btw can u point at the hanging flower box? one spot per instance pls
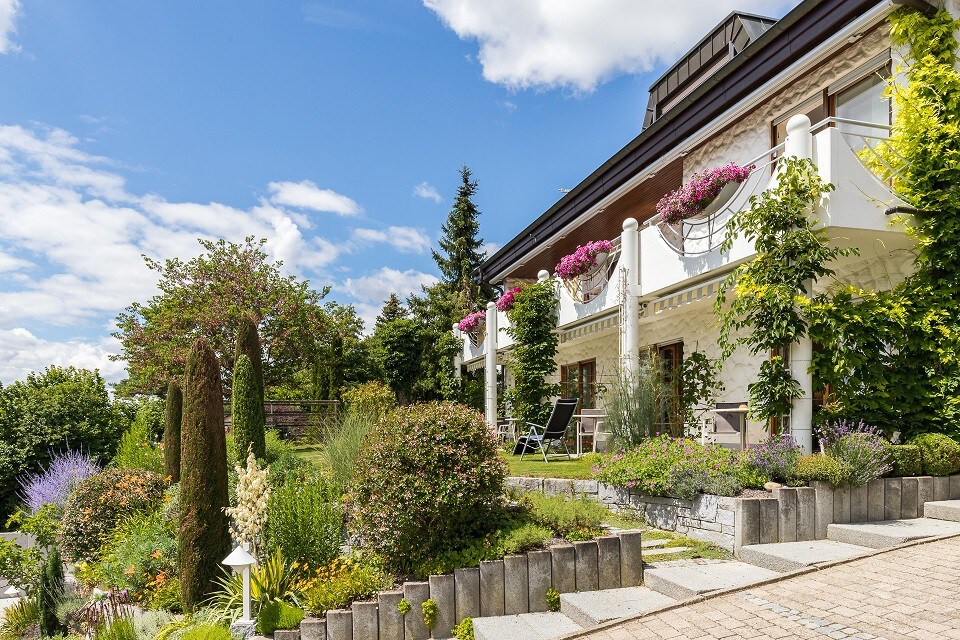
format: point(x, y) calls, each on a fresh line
point(585, 261)
point(474, 325)
point(505, 303)
point(705, 194)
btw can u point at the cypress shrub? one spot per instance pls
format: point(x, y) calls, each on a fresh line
point(248, 414)
point(172, 417)
point(248, 344)
point(50, 594)
point(204, 533)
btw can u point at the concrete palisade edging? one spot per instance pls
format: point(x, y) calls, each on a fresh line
point(516, 584)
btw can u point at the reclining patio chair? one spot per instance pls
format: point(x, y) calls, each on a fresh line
point(542, 437)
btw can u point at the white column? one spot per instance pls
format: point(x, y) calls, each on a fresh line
point(490, 366)
point(458, 356)
point(800, 143)
point(630, 319)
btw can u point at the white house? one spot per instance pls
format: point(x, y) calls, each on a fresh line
point(751, 91)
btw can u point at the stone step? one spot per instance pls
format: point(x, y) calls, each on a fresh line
point(596, 607)
point(890, 533)
point(943, 510)
point(652, 552)
point(526, 626)
point(790, 556)
point(688, 580)
point(653, 542)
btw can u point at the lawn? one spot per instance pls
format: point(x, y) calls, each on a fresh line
point(558, 466)
point(309, 452)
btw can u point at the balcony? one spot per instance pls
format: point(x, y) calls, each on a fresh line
point(674, 256)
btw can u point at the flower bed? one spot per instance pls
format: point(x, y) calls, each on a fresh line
point(583, 260)
point(695, 196)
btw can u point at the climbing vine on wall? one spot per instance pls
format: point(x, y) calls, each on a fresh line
point(894, 357)
point(532, 358)
point(770, 305)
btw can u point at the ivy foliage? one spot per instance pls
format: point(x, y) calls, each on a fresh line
point(533, 318)
point(771, 303)
point(893, 358)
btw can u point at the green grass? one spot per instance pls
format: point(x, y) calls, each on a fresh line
point(557, 467)
point(309, 452)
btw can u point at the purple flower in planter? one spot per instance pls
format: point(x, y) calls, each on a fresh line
point(776, 457)
point(696, 195)
point(582, 260)
point(505, 303)
point(54, 484)
point(472, 321)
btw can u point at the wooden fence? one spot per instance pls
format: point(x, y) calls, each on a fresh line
point(297, 419)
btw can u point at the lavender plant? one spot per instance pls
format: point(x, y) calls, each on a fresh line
point(54, 484)
point(776, 457)
point(831, 432)
point(863, 454)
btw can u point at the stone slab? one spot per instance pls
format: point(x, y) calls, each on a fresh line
point(909, 494)
point(943, 510)
point(941, 488)
point(586, 558)
point(806, 514)
point(597, 607)
point(539, 580)
point(516, 584)
point(563, 566)
point(769, 520)
point(682, 582)
point(339, 624)
point(416, 593)
point(467, 593)
point(291, 634)
point(608, 562)
point(443, 592)
point(823, 506)
point(787, 513)
point(313, 629)
point(892, 490)
point(665, 551)
point(528, 626)
point(881, 535)
point(790, 556)
point(875, 500)
point(389, 619)
point(859, 503)
point(631, 559)
point(365, 625)
point(491, 588)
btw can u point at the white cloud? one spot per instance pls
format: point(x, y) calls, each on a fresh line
point(9, 12)
point(372, 290)
point(308, 195)
point(21, 353)
point(427, 191)
point(69, 219)
point(579, 43)
point(489, 248)
point(403, 239)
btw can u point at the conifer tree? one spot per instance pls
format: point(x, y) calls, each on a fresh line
point(204, 538)
point(50, 594)
point(247, 411)
point(393, 309)
point(172, 417)
point(248, 344)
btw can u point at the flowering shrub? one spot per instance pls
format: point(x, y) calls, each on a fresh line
point(341, 582)
point(54, 484)
point(253, 495)
point(864, 456)
point(665, 466)
point(472, 321)
point(429, 477)
point(776, 458)
point(100, 502)
point(831, 432)
point(505, 303)
point(693, 197)
point(582, 260)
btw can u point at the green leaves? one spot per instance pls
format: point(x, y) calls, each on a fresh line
point(532, 320)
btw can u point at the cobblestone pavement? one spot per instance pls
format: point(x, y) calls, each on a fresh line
point(908, 593)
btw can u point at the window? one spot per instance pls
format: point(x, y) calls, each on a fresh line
point(862, 100)
point(579, 380)
point(812, 108)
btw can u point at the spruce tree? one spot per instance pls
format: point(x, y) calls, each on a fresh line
point(204, 539)
point(50, 594)
point(460, 254)
point(393, 309)
point(172, 417)
point(247, 411)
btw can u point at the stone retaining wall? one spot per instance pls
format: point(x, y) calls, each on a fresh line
point(707, 517)
point(515, 584)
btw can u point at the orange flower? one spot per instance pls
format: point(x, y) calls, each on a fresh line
point(132, 570)
point(156, 555)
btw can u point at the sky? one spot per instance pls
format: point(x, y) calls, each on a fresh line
point(333, 129)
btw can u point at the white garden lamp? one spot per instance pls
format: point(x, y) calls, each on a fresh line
point(240, 559)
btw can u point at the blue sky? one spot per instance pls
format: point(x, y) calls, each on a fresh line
point(333, 129)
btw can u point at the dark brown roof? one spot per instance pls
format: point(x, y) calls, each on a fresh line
point(803, 29)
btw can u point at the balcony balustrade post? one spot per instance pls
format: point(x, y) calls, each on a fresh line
point(490, 366)
point(458, 356)
point(799, 143)
point(630, 314)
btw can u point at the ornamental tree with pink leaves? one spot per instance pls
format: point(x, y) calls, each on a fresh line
point(582, 260)
point(693, 197)
point(208, 297)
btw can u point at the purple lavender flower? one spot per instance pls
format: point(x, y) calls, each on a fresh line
point(831, 432)
point(54, 484)
point(776, 457)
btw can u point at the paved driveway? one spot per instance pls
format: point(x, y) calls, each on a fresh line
point(908, 593)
